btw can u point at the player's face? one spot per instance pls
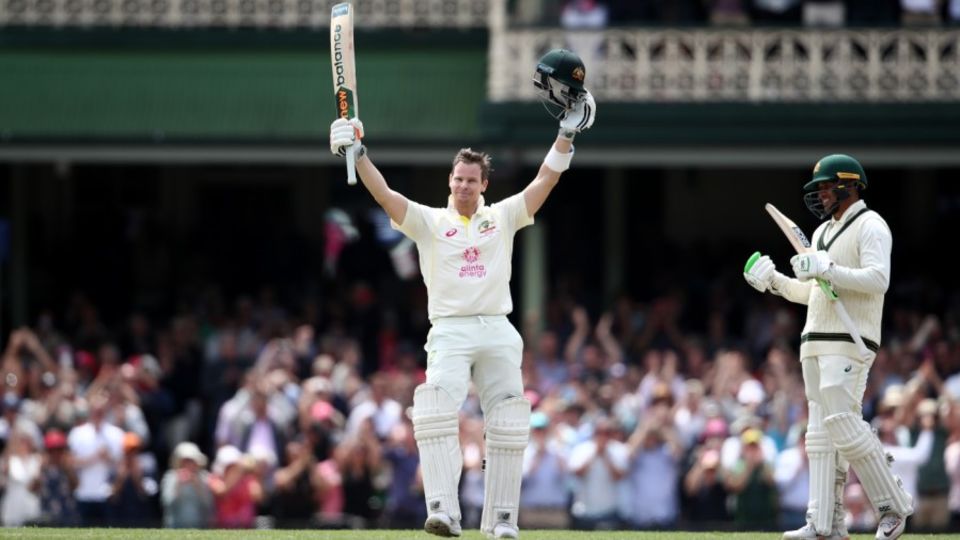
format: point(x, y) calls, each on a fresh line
point(827, 197)
point(466, 185)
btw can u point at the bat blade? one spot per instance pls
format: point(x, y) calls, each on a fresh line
point(794, 234)
point(344, 69)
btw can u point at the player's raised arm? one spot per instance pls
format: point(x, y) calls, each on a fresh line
point(559, 81)
point(343, 133)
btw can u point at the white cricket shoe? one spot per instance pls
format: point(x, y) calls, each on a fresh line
point(505, 531)
point(440, 524)
point(891, 526)
point(808, 532)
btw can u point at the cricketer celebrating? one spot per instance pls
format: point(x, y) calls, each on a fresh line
point(854, 255)
point(465, 257)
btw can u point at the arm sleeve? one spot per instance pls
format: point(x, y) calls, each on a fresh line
point(873, 276)
point(416, 222)
point(792, 289)
point(514, 211)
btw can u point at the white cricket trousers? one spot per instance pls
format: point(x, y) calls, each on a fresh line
point(836, 383)
point(485, 349)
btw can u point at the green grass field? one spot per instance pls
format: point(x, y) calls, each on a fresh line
point(145, 534)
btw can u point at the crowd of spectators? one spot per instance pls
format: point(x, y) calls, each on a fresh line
point(258, 416)
point(575, 14)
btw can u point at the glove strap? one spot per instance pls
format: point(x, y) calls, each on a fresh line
point(566, 133)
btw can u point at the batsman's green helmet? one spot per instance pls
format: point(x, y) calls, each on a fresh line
point(564, 66)
point(837, 168)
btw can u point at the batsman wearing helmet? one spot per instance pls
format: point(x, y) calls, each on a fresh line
point(853, 253)
point(465, 257)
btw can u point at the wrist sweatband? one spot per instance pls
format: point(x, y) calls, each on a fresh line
point(555, 161)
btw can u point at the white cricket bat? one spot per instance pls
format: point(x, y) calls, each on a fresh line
point(801, 244)
point(344, 67)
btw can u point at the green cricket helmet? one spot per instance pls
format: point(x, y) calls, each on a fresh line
point(844, 171)
point(559, 80)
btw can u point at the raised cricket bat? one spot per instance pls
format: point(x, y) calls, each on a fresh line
point(344, 74)
point(801, 244)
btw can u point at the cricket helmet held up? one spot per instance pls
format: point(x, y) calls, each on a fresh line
point(559, 78)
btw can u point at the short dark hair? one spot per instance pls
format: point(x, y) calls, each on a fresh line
point(469, 156)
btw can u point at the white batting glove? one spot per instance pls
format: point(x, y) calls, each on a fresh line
point(811, 265)
point(760, 274)
point(343, 133)
point(580, 117)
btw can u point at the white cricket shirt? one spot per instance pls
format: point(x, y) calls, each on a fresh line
point(466, 262)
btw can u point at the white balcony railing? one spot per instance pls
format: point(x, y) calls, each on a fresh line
point(756, 65)
point(237, 13)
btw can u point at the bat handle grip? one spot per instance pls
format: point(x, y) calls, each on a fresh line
point(352, 163)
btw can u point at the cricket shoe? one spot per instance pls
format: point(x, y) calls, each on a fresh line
point(440, 524)
point(891, 526)
point(504, 531)
point(808, 532)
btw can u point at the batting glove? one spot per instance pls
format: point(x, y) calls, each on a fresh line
point(759, 272)
point(343, 133)
point(580, 117)
point(811, 265)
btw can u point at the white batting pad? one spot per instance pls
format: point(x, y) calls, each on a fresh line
point(507, 432)
point(823, 465)
point(857, 443)
point(436, 426)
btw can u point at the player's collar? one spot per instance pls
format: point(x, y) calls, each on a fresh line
point(452, 208)
point(854, 209)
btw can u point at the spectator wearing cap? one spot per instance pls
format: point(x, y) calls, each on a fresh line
point(20, 468)
point(131, 503)
point(97, 447)
point(57, 482)
point(732, 447)
point(751, 481)
point(236, 488)
point(791, 473)
point(185, 494)
point(544, 494)
point(598, 465)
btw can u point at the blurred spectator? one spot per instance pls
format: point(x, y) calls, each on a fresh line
point(185, 491)
point(259, 433)
point(649, 494)
point(19, 470)
point(599, 466)
point(293, 503)
point(57, 483)
point(544, 494)
point(131, 502)
point(377, 406)
point(360, 465)
point(776, 12)
point(824, 13)
point(860, 516)
point(727, 12)
point(97, 448)
point(236, 488)
point(581, 14)
point(920, 12)
point(404, 507)
point(792, 476)
point(953, 11)
point(706, 491)
point(732, 449)
point(471, 482)
point(906, 459)
point(751, 481)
